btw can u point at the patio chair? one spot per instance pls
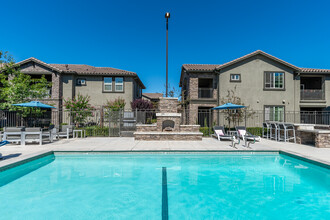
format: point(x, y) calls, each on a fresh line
point(246, 136)
point(50, 133)
point(265, 127)
point(66, 131)
point(284, 132)
point(14, 134)
point(35, 135)
point(219, 133)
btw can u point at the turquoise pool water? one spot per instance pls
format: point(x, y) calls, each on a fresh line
point(152, 186)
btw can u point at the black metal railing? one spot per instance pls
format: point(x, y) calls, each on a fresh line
point(205, 92)
point(312, 94)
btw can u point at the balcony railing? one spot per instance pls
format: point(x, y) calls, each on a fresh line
point(205, 93)
point(312, 94)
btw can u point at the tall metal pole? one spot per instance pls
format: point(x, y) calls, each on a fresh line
point(167, 16)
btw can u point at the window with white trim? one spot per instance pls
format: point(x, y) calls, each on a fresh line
point(235, 77)
point(107, 84)
point(119, 84)
point(274, 80)
point(274, 113)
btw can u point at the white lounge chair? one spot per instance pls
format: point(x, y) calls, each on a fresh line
point(219, 133)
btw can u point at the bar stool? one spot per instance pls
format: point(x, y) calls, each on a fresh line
point(265, 126)
point(273, 130)
point(287, 129)
point(281, 135)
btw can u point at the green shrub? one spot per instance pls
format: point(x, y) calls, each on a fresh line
point(255, 131)
point(205, 130)
point(153, 121)
point(97, 131)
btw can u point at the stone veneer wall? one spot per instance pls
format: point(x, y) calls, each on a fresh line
point(168, 105)
point(303, 137)
point(322, 140)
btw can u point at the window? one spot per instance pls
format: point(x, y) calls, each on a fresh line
point(107, 84)
point(119, 84)
point(274, 80)
point(235, 77)
point(81, 82)
point(274, 113)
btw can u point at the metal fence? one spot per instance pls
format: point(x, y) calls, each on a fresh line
point(123, 123)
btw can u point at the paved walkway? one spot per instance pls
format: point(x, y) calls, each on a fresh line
point(13, 153)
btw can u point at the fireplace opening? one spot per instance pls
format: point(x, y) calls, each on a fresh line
point(168, 125)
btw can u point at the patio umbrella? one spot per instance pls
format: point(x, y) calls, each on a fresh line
point(228, 106)
point(34, 104)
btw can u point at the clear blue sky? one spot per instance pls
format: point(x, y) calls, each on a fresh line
point(130, 35)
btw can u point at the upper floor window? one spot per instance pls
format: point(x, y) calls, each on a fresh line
point(235, 77)
point(81, 82)
point(274, 80)
point(119, 84)
point(108, 84)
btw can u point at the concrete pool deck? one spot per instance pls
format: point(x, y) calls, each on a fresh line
point(16, 153)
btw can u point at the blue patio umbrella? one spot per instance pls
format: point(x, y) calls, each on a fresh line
point(34, 104)
point(228, 106)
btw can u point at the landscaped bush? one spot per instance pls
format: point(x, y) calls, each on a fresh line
point(255, 131)
point(205, 130)
point(97, 131)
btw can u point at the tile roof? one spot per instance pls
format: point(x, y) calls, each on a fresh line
point(82, 69)
point(312, 70)
point(200, 67)
point(254, 54)
point(214, 67)
point(153, 95)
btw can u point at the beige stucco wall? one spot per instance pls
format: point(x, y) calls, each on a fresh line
point(251, 88)
point(94, 88)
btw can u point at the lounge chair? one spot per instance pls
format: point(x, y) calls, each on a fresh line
point(14, 134)
point(3, 143)
point(66, 131)
point(246, 136)
point(219, 133)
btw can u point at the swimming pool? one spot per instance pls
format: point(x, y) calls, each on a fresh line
point(157, 186)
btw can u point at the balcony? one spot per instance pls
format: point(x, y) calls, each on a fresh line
point(312, 94)
point(205, 93)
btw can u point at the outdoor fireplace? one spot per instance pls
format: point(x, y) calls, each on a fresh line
point(168, 125)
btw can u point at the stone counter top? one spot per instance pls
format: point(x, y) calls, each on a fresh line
point(316, 131)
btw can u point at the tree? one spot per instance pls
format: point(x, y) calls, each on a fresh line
point(79, 108)
point(141, 104)
point(17, 87)
point(235, 115)
point(172, 91)
point(113, 109)
point(116, 105)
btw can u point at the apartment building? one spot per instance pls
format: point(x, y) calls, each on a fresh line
point(102, 84)
point(262, 81)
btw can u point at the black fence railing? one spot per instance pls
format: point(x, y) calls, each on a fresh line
point(205, 92)
point(123, 123)
point(312, 94)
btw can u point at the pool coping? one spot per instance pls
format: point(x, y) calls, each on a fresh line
point(37, 155)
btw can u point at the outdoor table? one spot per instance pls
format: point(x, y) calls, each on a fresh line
point(82, 132)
